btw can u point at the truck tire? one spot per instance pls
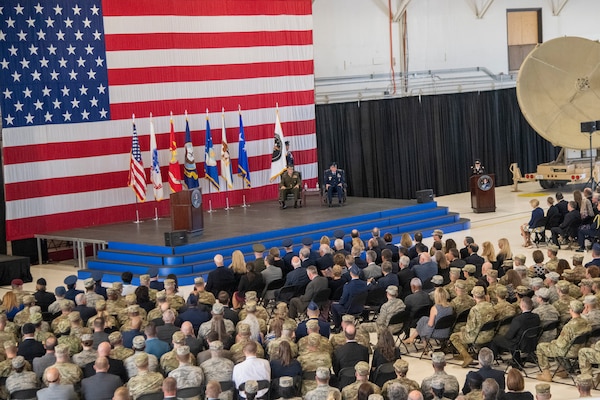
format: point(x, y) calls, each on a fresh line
point(545, 184)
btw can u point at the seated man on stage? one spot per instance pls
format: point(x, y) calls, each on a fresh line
point(334, 182)
point(290, 183)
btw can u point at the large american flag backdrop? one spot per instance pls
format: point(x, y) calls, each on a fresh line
point(73, 72)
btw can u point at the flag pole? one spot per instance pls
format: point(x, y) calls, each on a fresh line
point(155, 208)
point(137, 212)
point(244, 205)
point(227, 208)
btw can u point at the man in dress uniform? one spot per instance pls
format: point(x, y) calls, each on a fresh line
point(290, 183)
point(334, 181)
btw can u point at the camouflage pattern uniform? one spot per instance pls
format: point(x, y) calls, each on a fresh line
point(593, 317)
point(85, 357)
point(22, 317)
point(504, 310)
point(310, 362)
point(219, 369)
point(350, 392)
point(205, 297)
point(175, 301)
point(451, 386)
point(70, 374)
point(237, 353)
point(450, 289)
point(21, 381)
point(409, 383)
point(482, 313)
point(187, 376)
point(6, 367)
point(551, 264)
point(562, 306)
point(145, 382)
point(553, 294)
point(132, 369)
point(205, 328)
point(491, 291)
point(460, 304)
point(119, 352)
point(72, 342)
point(261, 313)
point(321, 392)
point(274, 344)
point(324, 345)
point(386, 312)
point(474, 395)
point(558, 347)
point(471, 282)
point(91, 298)
point(169, 362)
point(547, 313)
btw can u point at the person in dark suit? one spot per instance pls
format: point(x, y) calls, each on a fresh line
point(220, 278)
point(486, 358)
point(298, 276)
point(313, 312)
point(405, 275)
point(416, 302)
point(317, 283)
point(562, 205)
point(228, 312)
point(325, 260)
point(102, 385)
point(569, 225)
point(412, 251)
point(165, 332)
point(355, 287)
point(386, 255)
point(464, 252)
point(475, 259)
point(194, 314)
point(55, 389)
point(154, 283)
point(101, 290)
point(518, 325)
point(388, 278)
point(347, 355)
point(115, 366)
point(84, 311)
point(426, 268)
point(42, 297)
point(30, 348)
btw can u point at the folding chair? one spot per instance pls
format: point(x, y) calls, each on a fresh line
point(570, 363)
point(441, 324)
point(321, 299)
point(357, 306)
point(26, 394)
point(383, 373)
point(273, 285)
point(191, 392)
point(526, 346)
point(264, 384)
point(346, 376)
point(490, 326)
point(397, 319)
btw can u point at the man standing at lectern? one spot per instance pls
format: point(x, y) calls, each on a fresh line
point(290, 183)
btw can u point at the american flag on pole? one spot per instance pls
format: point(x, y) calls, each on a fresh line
point(73, 72)
point(137, 175)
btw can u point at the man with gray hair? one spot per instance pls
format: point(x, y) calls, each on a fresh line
point(220, 278)
point(397, 391)
point(485, 358)
point(372, 270)
point(415, 302)
point(322, 391)
point(297, 277)
point(405, 275)
point(490, 389)
point(451, 386)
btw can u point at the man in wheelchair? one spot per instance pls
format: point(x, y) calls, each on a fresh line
point(334, 183)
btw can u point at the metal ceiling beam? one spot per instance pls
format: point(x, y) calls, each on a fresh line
point(402, 6)
point(480, 11)
point(557, 6)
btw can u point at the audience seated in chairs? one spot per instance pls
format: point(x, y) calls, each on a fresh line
point(569, 227)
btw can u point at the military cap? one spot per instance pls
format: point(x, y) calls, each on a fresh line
point(97, 275)
point(596, 248)
point(115, 337)
point(501, 291)
point(110, 291)
point(87, 337)
point(100, 305)
point(117, 285)
point(89, 282)
point(522, 290)
point(584, 379)
point(28, 299)
point(362, 368)
point(544, 293)
point(145, 279)
point(508, 263)
point(578, 257)
point(339, 234)
point(66, 304)
point(133, 309)
point(537, 282)
point(251, 387)
point(438, 357)
point(478, 291)
point(183, 350)
point(141, 359)
point(470, 268)
point(562, 284)
point(74, 316)
point(61, 349)
point(9, 344)
point(455, 271)
point(60, 291)
point(576, 306)
point(18, 362)
point(217, 309)
point(568, 273)
point(312, 324)
point(553, 247)
point(281, 306)
point(286, 382)
point(28, 328)
point(460, 284)
point(553, 275)
point(70, 280)
point(520, 267)
point(162, 295)
point(199, 281)
point(437, 384)
point(392, 289)
point(348, 318)
point(251, 306)
point(437, 280)
point(153, 272)
point(258, 248)
point(323, 373)
point(250, 295)
point(520, 257)
point(169, 282)
point(314, 339)
point(139, 342)
point(215, 345)
point(354, 270)
point(178, 337)
point(313, 306)
point(589, 299)
point(307, 241)
point(63, 326)
point(36, 318)
point(586, 282)
point(542, 388)
point(401, 365)
point(287, 242)
point(492, 273)
point(243, 329)
point(289, 326)
point(438, 232)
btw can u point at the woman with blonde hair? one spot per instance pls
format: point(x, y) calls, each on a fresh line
point(325, 240)
point(238, 265)
point(406, 241)
point(504, 251)
point(489, 253)
point(440, 309)
point(443, 265)
point(537, 216)
point(10, 305)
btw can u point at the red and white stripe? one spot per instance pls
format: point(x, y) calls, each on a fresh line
point(198, 56)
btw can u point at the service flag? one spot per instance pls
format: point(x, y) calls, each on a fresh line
point(174, 168)
point(225, 158)
point(137, 175)
point(278, 157)
point(243, 168)
point(155, 175)
point(210, 162)
point(190, 174)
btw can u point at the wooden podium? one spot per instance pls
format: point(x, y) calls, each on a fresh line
point(186, 211)
point(483, 194)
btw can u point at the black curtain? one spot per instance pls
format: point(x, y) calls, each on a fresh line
point(392, 148)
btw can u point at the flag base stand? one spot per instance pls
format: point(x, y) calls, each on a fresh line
point(155, 214)
point(210, 209)
point(227, 208)
point(137, 218)
point(245, 205)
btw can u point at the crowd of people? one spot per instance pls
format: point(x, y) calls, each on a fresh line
point(298, 324)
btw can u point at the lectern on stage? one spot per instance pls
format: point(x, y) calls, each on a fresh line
point(483, 193)
point(186, 211)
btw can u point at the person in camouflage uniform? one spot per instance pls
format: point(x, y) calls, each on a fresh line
point(187, 375)
point(136, 317)
point(124, 315)
point(339, 339)
point(6, 333)
point(287, 334)
point(401, 369)
point(547, 313)
point(558, 347)
point(22, 317)
point(69, 331)
point(91, 297)
point(362, 370)
point(260, 312)
point(217, 368)
point(454, 276)
point(88, 354)
point(492, 280)
point(118, 352)
point(552, 262)
point(38, 321)
point(589, 356)
point(101, 312)
point(280, 312)
point(145, 281)
point(562, 305)
point(451, 385)
point(503, 308)
point(203, 296)
point(586, 288)
point(392, 306)
point(323, 391)
point(66, 306)
point(257, 325)
point(480, 314)
point(70, 374)
point(115, 301)
point(313, 359)
point(175, 300)
point(312, 326)
point(469, 274)
point(243, 337)
point(139, 345)
point(6, 368)
point(169, 361)
point(145, 381)
point(591, 311)
point(550, 281)
point(574, 290)
point(461, 302)
point(578, 268)
point(20, 379)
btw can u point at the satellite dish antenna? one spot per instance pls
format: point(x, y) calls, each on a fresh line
point(558, 88)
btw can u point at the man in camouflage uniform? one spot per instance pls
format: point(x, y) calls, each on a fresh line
point(362, 370)
point(392, 306)
point(550, 281)
point(503, 308)
point(461, 302)
point(41, 334)
point(552, 262)
point(586, 288)
point(187, 375)
point(547, 313)
point(115, 301)
point(175, 300)
point(217, 368)
point(139, 345)
point(118, 352)
point(454, 276)
point(401, 369)
point(70, 330)
point(124, 315)
point(574, 290)
point(91, 297)
point(102, 312)
point(251, 318)
point(482, 313)
point(22, 317)
point(136, 316)
point(578, 268)
point(20, 379)
point(260, 312)
point(65, 308)
point(492, 280)
point(451, 385)
point(287, 334)
point(588, 356)
point(591, 311)
point(558, 347)
point(145, 281)
point(469, 274)
point(203, 296)
point(17, 289)
point(562, 305)
point(523, 274)
point(161, 305)
point(6, 333)
point(10, 348)
point(70, 374)
point(312, 326)
point(237, 350)
point(313, 359)
point(88, 354)
point(323, 391)
point(169, 361)
point(145, 381)
point(339, 339)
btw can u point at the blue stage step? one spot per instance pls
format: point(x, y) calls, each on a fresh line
point(196, 259)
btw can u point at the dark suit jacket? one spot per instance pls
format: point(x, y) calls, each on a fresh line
point(324, 262)
point(571, 219)
point(317, 284)
point(562, 207)
point(115, 367)
point(220, 279)
point(351, 289)
point(85, 312)
point(160, 286)
point(520, 324)
point(44, 299)
point(477, 261)
point(464, 252)
point(425, 271)
point(486, 372)
point(348, 355)
point(416, 301)
point(101, 386)
point(360, 263)
point(390, 279)
point(395, 251)
point(31, 349)
point(297, 277)
point(165, 332)
point(404, 277)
